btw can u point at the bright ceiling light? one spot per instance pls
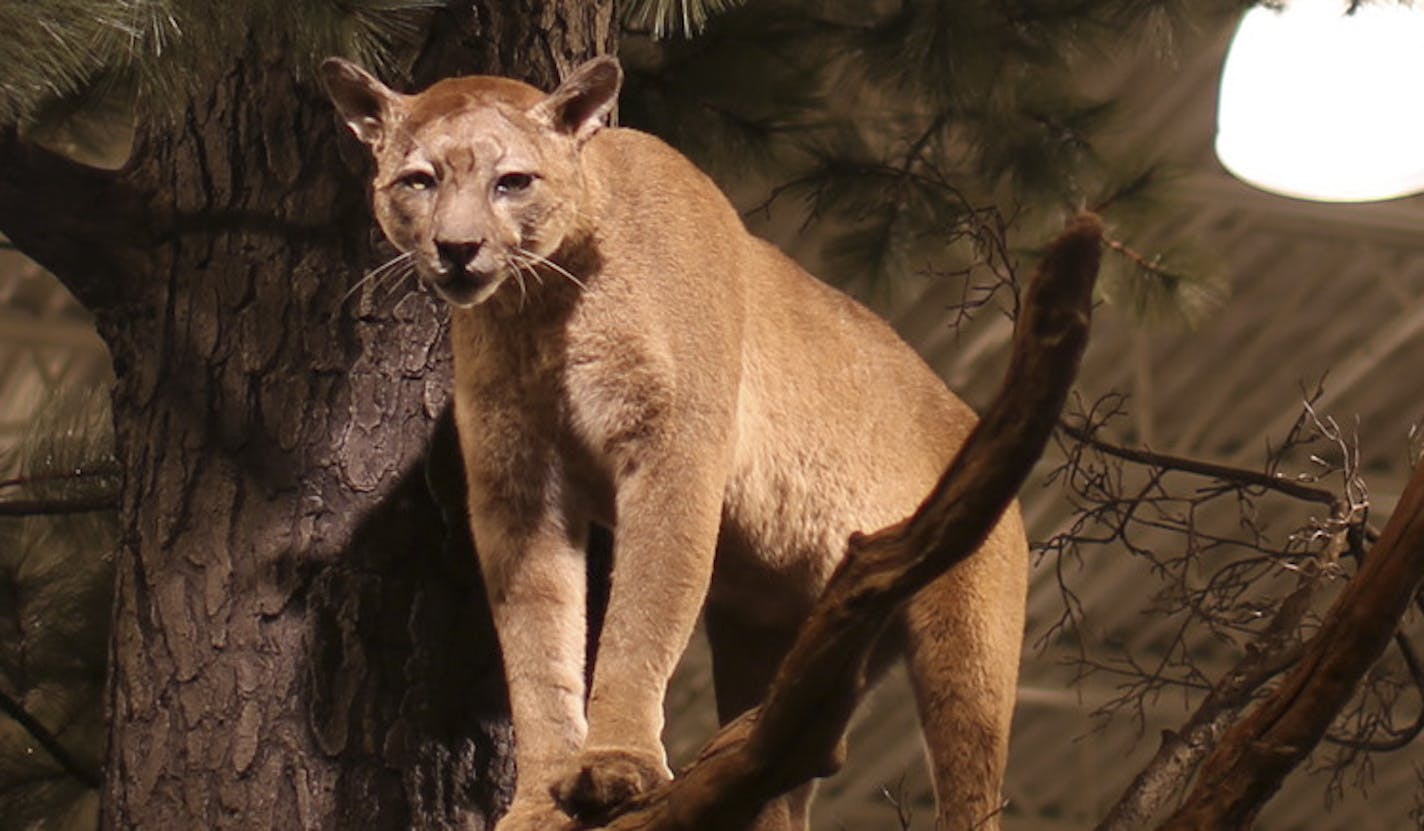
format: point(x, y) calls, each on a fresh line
point(1320, 104)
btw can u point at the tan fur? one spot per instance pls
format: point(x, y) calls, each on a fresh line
point(730, 417)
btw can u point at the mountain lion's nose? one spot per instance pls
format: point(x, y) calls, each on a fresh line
point(457, 256)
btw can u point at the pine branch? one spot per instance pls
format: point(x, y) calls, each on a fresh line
point(53, 48)
point(794, 735)
point(47, 740)
point(158, 53)
point(911, 88)
point(99, 470)
point(674, 18)
point(1178, 284)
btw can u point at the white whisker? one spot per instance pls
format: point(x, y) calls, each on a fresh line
point(538, 278)
point(519, 280)
point(522, 262)
point(378, 274)
point(394, 277)
point(553, 266)
point(393, 264)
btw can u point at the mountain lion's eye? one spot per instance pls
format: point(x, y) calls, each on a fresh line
point(417, 180)
point(513, 182)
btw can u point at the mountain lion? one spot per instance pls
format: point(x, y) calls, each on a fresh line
point(627, 353)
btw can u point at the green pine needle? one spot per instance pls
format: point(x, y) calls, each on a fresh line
point(1178, 286)
point(741, 99)
point(161, 52)
point(673, 18)
point(52, 48)
point(57, 575)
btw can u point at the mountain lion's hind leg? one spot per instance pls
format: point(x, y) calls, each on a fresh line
point(961, 637)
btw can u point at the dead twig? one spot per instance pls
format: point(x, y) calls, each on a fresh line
point(1183, 749)
point(1236, 475)
point(1261, 749)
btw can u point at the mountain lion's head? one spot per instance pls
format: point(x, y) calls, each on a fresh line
point(477, 178)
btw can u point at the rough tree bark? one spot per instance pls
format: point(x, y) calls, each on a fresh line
point(298, 640)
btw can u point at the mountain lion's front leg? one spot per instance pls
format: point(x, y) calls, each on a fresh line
point(669, 510)
point(535, 576)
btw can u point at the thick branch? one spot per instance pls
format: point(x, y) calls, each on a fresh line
point(67, 217)
point(1182, 751)
point(1259, 751)
point(796, 733)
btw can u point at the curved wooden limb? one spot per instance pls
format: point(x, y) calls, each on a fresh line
point(69, 218)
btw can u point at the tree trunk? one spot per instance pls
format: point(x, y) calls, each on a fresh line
point(300, 637)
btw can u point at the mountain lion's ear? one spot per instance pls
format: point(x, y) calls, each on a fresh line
point(362, 100)
point(581, 103)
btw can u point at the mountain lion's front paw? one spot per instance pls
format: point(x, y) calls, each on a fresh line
point(604, 779)
point(534, 817)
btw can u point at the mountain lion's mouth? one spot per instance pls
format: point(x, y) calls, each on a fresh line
point(465, 288)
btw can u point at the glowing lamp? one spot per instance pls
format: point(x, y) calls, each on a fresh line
point(1324, 105)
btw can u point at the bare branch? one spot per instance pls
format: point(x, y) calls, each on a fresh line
point(1242, 476)
point(1122, 497)
point(66, 216)
point(98, 470)
point(1182, 750)
point(1260, 750)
